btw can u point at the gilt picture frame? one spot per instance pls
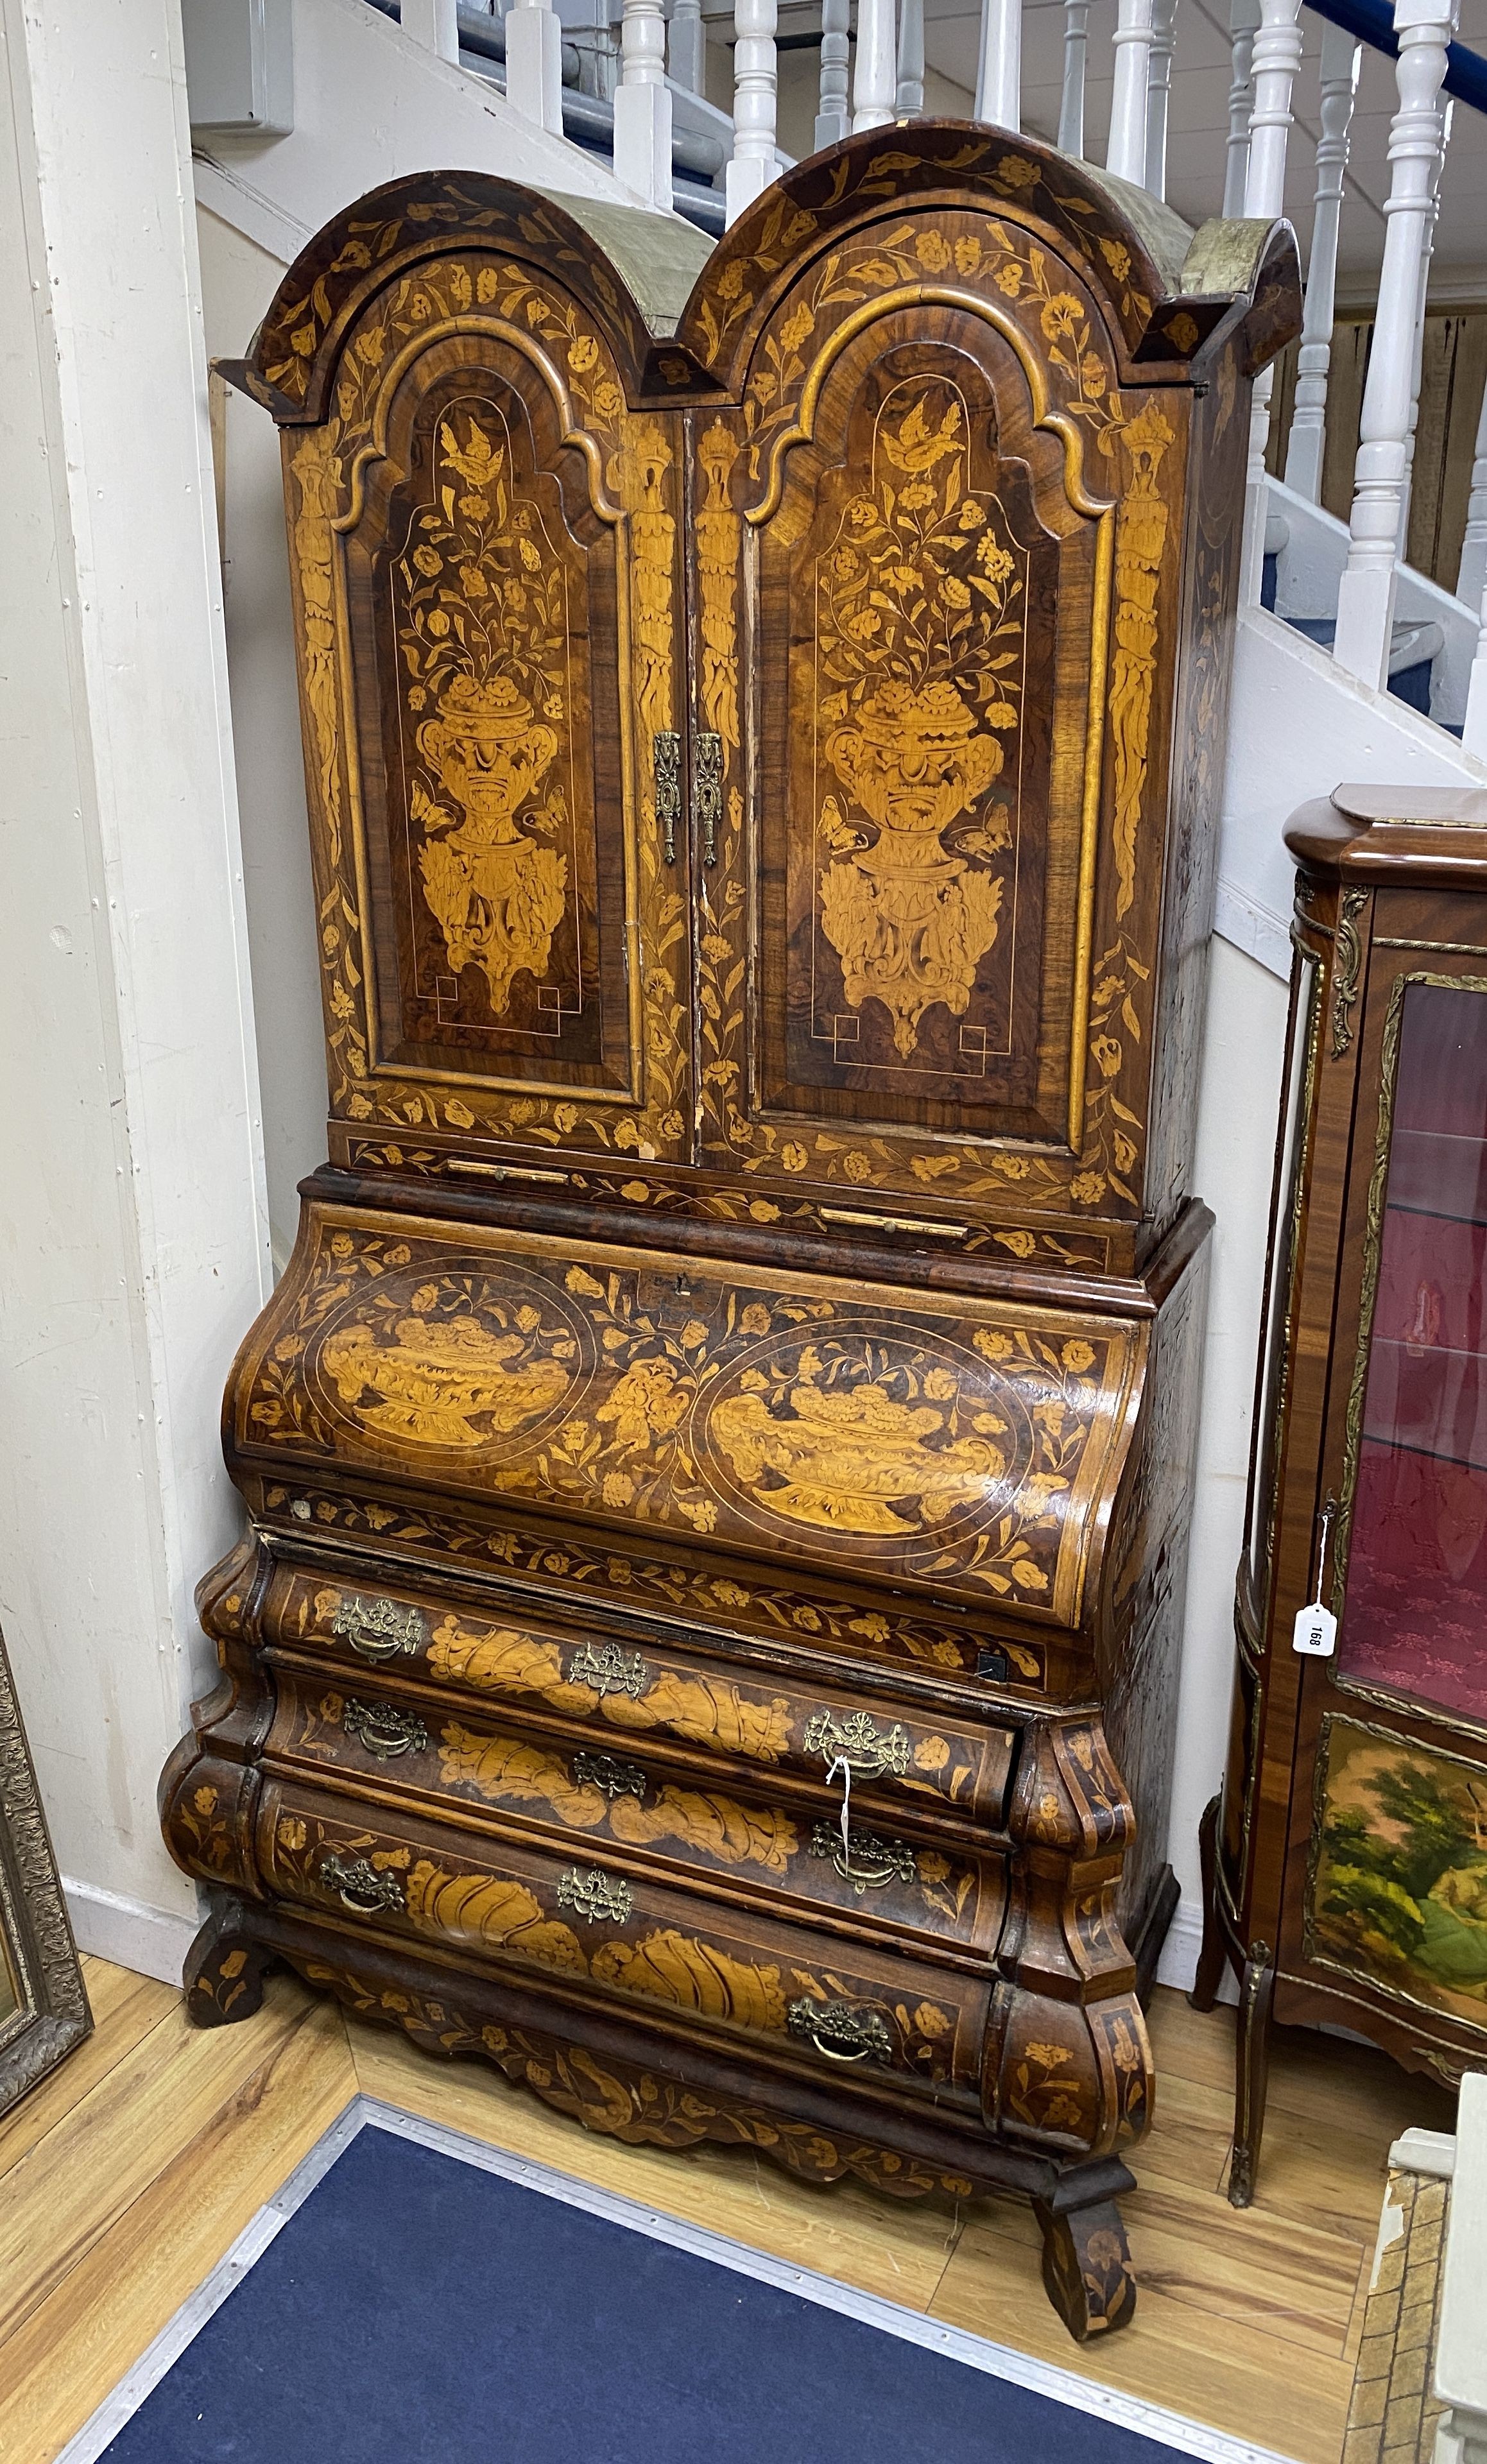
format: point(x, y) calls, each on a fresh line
point(43, 2002)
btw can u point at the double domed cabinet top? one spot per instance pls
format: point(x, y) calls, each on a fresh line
point(764, 717)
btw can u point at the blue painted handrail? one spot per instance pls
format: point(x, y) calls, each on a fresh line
point(1372, 22)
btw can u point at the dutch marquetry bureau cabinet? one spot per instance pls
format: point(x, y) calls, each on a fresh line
point(1345, 1864)
point(717, 1458)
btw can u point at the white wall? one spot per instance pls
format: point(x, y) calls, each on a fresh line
point(238, 280)
point(1238, 1104)
point(133, 1246)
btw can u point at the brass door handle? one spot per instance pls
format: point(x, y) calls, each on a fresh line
point(707, 791)
point(666, 761)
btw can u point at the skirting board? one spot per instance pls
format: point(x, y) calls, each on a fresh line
point(1178, 1964)
point(106, 1926)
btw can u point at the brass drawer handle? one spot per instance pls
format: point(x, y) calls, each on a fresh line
point(380, 1629)
point(384, 1730)
point(362, 1886)
point(840, 2033)
point(610, 1777)
point(600, 1898)
point(609, 1670)
point(869, 1862)
point(707, 791)
point(666, 759)
point(869, 1751)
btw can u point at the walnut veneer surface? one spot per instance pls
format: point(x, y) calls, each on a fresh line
point(763, 757)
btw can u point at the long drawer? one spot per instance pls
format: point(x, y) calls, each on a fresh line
point(610, 1932)
point(727, 1709)
point(694, 1822)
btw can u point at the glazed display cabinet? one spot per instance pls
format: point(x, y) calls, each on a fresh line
point(718, 1459)
point(1347, 1864)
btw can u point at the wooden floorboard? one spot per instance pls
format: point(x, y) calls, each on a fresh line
point(125, 2177)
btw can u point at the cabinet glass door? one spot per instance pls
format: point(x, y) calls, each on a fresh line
point(1415, 1611)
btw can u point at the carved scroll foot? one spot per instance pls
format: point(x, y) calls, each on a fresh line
point(1252, 2071)
point(1211, 1957)
point(225, 1968)
point(1087, 2268)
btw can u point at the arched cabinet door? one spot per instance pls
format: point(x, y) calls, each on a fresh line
point(485, 539)
point(934, 551)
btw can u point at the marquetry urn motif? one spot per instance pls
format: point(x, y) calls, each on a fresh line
point(718, 1458)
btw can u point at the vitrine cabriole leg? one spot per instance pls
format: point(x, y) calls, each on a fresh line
point(1211, 1957)
point(1252, 2065)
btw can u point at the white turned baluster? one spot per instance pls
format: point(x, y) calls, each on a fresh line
point(755, 80)
point(1070, 103)
point(877, 79)
point(1473, 732)
point(1244, 23)
point(1472, 571)
point(1366, 596)
point(642, 106)
point(1276, 58)
point(534, 64)
point(910, 102)
point(435, 24)
point(999, 69)
point(834, 115)
point(1159, 92)
point(1340, 57)
point(686, 47)
point(1418, 362)
point(1126, 153)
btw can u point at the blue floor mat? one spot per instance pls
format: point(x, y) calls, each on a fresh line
point(418, 2309)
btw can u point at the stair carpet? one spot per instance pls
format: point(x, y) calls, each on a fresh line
point(1412, 649)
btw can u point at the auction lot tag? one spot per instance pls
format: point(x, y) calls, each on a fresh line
point(1314, 1632)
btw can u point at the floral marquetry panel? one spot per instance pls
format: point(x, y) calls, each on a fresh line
point(966, 1449)
point(490, 612)
point(965, 557)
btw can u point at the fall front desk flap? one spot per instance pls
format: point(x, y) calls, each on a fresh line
point(965, 1447)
